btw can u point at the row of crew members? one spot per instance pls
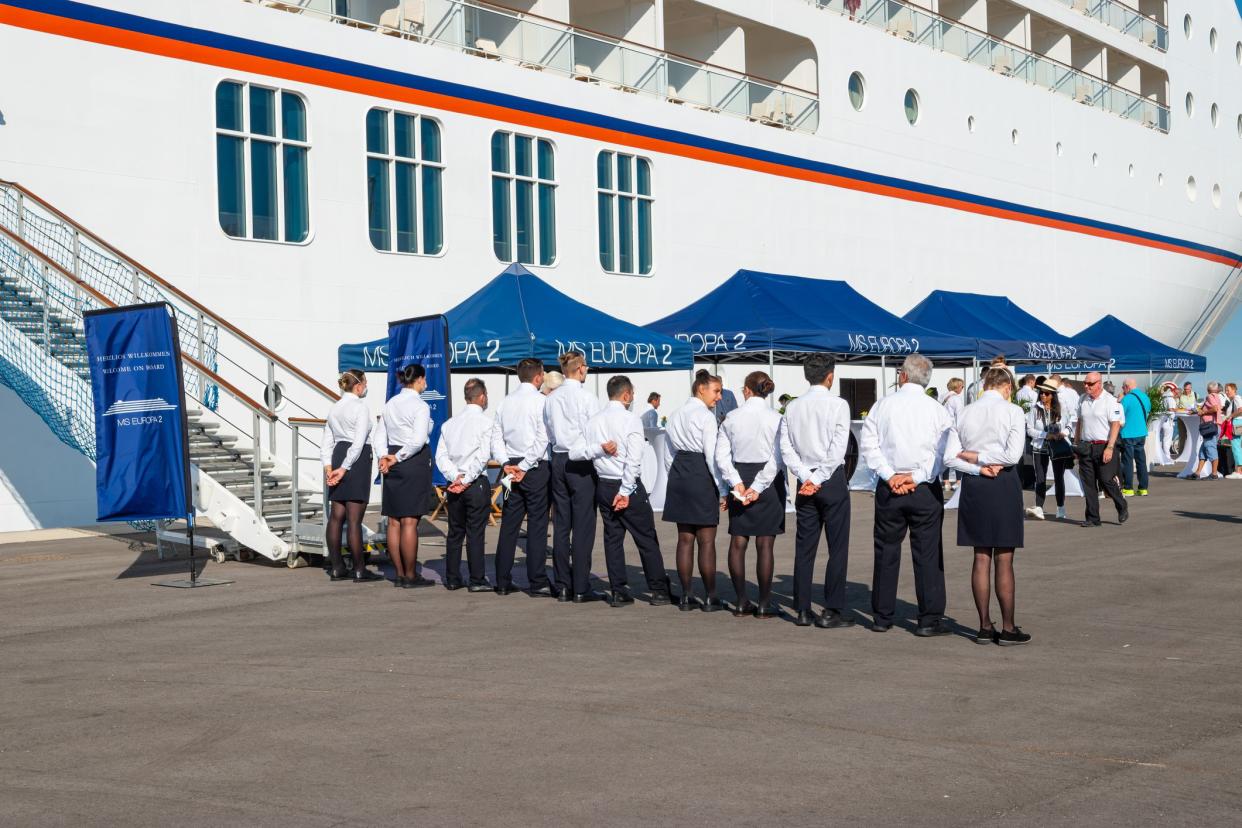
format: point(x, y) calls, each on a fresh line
point(738, 467)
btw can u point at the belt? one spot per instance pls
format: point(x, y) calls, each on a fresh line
point(1099, 442)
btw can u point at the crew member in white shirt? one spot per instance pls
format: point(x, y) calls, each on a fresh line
point(622, 499)
point(461, 456)
point(346, 455)
point(903, 441)
point(986, 447)
point(813, 440)
point(520, 445)
point(694, 497)
point(1027, 393)
point(566, 412)
point(1168, 421)
point(402, 445)
point(954, 401)
point(748, 456)
point(1099, 422)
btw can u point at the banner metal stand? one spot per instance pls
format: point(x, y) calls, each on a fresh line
point(192, 582)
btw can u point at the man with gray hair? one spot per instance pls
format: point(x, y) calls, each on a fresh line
point(903, 441)
point(1099, 422)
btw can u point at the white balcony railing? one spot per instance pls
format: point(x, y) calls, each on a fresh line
point(546, 45)
point(1124, 19)
point(921, 26)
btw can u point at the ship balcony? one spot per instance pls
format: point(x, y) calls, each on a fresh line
point(593, 57)
point(918, 25)
point(1126, 19)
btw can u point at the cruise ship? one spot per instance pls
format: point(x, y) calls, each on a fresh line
point(292, 174)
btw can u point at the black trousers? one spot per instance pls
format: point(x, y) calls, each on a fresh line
point(1059, 466)
point(921, 512)
point(639, 521)
point(573, 529)
point(467, 516)
point(1096, 473)
point(527, 501)
point(826, 511)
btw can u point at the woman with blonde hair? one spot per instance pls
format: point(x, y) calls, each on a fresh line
point(346, 456)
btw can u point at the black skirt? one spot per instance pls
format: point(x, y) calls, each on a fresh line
point(408, 490)
point(989, 511)
point(764, 517)
point(692, 496)
point(355, 486)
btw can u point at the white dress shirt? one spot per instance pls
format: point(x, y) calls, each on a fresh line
point(905, 432)
point(994, 427)
point(1068, 398)
point(1038, 419)
point(650, 416)
point(520, 430)
point(1028, 394)
point(815, 435)
point(1098, 415)
point(565, 415)
point(465, 445)
point(693, 428)
point(954, 403)
point(406, 422)
point(616, 423)
point(349, 421)
point(750, 434)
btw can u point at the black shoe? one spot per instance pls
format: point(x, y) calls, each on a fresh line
point(482, 586)
point(938, 627)
point(588, 596)
point(338, 575)
point(363, 575)
point(805, 618)
point(1089, 524)
point(621, 598)
point(768, 611)
point(986, 636)
point(564, 596)
point(545, 591)
point(659, 598)
point(507, 589)
point(420, 581)
point(1123, 516)
point(744, 608)
point(1008, 639)
point(881, 626)
point(833, 620)
point(453, 585)
point(398, 581)
point(687, 602)
point(711, 604)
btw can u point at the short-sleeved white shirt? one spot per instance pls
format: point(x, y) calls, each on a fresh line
point(1098, 415)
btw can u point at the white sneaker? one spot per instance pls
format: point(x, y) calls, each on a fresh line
point(1035, 512)
point(1234, 476)
point(1061, 513)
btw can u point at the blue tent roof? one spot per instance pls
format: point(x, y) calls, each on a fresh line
point(753, 313)
point(518, 315)
point(1001, 327)
point(1133, 350)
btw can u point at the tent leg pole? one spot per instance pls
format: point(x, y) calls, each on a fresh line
point(772, 374)
point(883, 379)
point(974, 363)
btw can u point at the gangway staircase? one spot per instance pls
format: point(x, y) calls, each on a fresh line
point(245, 471)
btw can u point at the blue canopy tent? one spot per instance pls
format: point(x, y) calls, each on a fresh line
point(1133, 350)
point(769, 317)
point(1002, 328)
point(518, 315)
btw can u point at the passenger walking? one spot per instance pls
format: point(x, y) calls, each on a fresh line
point(622, 498)
point(903, 442)
point(814, 439)
point(461, 455)
point(1209, 430)
point(346, 456)
point(520, 445)
point(1235, 442)
point(748, 456)
point(1099, 424)
point(402, 443)
point(1050, 429)
point(1136, 410)
point(986, 447)
point(1224, 443)
point(694, 497)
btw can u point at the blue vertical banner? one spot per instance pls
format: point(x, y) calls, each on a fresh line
point(425, 340)
point(142, 464)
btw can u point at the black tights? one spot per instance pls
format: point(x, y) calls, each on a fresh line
point(687, 534)
point(981, 584)
point(350, 511)
point(403, 545)
point(764, 546)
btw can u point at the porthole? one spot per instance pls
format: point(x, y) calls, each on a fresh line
point(1187, 26)
point(858, 90)
point(1190, 104)
point(1095, 159)
point(912, 106)
point(1212, 39)
point(1215, 115)
point(970, 123)
point(1192, 189)
point(1013, 136)
point(1060, 149)
point(1130, 171)
point(1216, 196)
